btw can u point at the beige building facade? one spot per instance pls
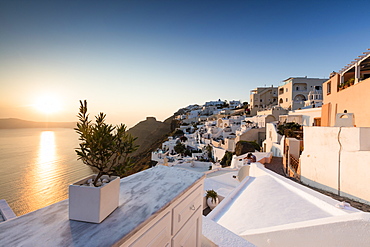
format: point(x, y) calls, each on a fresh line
point(294, 91)
point(347, 91)
point(262, 98)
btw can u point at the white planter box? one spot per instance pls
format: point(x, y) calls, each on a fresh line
point(93, 204)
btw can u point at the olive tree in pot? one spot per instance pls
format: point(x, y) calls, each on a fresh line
point(105, 148)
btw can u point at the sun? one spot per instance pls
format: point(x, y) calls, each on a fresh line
point(48, 104)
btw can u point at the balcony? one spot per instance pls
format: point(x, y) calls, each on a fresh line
point(348, 83)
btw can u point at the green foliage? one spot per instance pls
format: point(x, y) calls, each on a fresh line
point(179, 148)
point(351, 81)
point(289, 129)
point(209, 151)
point(346, 84)
point(183, 138)
point(178, 133)
point(103, 146)
point(211, 194)
point(255, 145)
point(226, 160)
point(187, 152)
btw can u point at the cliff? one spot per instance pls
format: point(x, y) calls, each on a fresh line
point(149, 131)
point(150, 135)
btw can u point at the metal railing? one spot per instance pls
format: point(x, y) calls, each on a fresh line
point(294, 163)
point(293, 167)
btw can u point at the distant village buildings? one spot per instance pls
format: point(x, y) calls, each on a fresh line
point(262, 98)
point(319, 128)
point(295, 91)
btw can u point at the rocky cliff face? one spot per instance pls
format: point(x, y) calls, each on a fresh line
point(150, 135)
point(148, 132)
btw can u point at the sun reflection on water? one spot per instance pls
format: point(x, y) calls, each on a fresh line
point(46, 171)
point(46, 149)
point(37, 167)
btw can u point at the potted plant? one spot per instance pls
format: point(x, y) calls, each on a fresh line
point(105, 148)
point(212, 199)
point(351, 81)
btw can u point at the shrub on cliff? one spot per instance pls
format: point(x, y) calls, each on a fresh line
point(243, 147)
point(226, 160)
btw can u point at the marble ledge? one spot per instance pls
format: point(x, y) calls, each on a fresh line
point(142, 195)
point(6, 213)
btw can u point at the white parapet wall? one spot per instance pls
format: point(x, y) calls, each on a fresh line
point(221, 236)
point(344, 230)
point(336, 159)
point(319, 159)
point(218, 153)
point(355, 176)
point(274, 142)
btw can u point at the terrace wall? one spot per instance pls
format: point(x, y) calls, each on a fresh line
point(337, 159)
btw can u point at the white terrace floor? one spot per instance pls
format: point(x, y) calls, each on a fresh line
point(264, 203)
point(267, 209)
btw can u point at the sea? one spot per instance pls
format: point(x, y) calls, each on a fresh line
point(37, 166)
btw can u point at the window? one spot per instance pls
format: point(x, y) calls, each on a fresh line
point(286, 99)
point(286, 89)
point(328, 88)
point(260, 100)
point(297, 88)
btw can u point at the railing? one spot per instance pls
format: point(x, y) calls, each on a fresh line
point(293, 167)
point(294, 164)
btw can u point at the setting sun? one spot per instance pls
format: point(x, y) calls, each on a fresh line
point(48, 104)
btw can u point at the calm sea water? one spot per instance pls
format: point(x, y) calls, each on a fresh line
point(36, 167)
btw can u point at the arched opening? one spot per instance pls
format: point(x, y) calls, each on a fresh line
point(299, 98)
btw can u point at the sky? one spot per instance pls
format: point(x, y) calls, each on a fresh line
point(133, 59)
